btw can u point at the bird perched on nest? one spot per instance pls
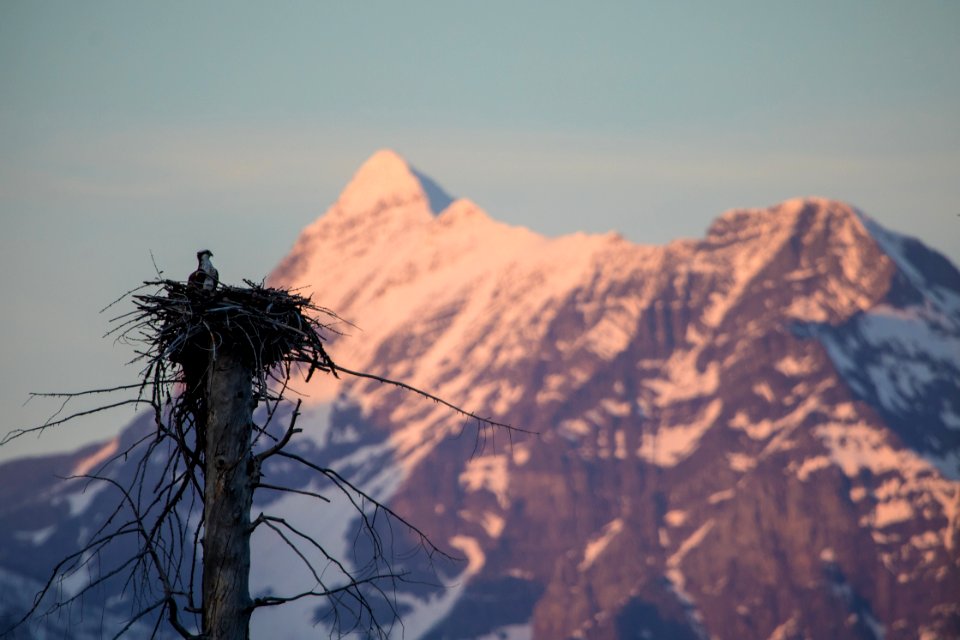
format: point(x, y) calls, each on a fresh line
point(206, 276)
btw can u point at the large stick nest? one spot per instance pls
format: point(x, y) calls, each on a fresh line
point(271, 329)
point(265, 326)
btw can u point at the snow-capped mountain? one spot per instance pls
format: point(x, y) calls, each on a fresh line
point(752, 435)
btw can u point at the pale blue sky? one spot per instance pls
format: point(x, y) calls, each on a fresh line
point(127, 128)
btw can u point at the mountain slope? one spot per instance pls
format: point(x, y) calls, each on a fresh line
point(753, 435)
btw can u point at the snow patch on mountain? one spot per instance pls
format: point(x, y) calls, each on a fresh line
point(79, 494)
point(690, 543)
point(741, 462)
point(488, 473)
point(610, 336)
point(676, 578)
point(473, 552)
point(684, 379)
point(597, 545)
point(492, 523)
point(916, 485)
point(721, 496)
point(672, 443)
point(915, 352)
point(892, 512)
point(756, 429)
point(36, 537)
point(88, 464)
point(675, 517)
point(811, 465)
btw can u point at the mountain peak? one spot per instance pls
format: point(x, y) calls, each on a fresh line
point(786, 215)
point(383, 165)
point(387, 178)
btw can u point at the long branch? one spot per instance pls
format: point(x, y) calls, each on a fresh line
point(430, 396)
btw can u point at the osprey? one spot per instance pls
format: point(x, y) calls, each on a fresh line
point(206, 275)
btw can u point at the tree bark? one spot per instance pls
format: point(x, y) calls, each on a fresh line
point(228, 492)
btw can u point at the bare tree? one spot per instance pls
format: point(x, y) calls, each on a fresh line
point(210, 359)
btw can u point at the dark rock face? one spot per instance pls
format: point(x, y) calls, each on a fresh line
point(751, 436)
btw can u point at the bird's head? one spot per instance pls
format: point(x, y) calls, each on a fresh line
point(204, 253)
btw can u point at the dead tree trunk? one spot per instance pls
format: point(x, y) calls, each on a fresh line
point(229, 478)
